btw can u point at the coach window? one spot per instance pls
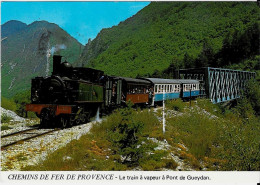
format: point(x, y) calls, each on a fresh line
point(155, 88)
point(186, 87)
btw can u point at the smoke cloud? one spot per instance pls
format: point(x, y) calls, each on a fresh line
point(57, 47)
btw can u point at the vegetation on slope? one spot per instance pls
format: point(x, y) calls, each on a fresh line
point(204, 136)
point(180, 34)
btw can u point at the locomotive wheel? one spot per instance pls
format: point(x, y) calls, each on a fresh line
point(44, 118)
point(77, 122)
point(63, 122)
point(83, 118)
point(70, 122)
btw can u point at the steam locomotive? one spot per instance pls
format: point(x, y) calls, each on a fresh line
point(71, 95)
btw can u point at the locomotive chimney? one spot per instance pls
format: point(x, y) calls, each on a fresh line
point(56, 64)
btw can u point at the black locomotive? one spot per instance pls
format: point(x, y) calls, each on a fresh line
point(71, 95)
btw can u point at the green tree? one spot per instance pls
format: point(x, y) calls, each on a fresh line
point(188, 61)
point(21, 99)
point(206, 57)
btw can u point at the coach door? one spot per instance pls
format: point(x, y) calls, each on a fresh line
point(108, 93)
point(119, 92)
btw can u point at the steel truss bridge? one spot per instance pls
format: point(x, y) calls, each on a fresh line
point(217, 84)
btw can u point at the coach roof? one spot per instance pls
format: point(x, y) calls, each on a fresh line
point(171, 81)
point(136, 81)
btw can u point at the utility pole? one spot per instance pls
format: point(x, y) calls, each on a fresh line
point(163, 111)
point(190, 97)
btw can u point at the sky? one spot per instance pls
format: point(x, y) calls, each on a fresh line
point(82, 20)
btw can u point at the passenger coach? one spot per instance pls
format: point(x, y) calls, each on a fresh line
point(165, 89)
point(168, 89)
point(190, 88)
point(136, 90)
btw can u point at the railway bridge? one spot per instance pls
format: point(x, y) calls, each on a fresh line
point(217, 84)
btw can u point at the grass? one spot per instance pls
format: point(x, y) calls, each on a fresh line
point(104, 148)
point(225, 142)
point(204, 136)
point(5, 127)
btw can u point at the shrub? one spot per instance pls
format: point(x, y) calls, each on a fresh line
point(177, 105)
point(170, 164)
point(5, 118)
point(252, 94)
point(125, 136)
point(5, 127)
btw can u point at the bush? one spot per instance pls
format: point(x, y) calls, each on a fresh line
point(125, 136)
point(252, 94)
point(177, 105)
point(21, 99)
point(5, 118)
point(5, 127)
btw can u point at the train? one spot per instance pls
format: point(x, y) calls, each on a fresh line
point(72, 95)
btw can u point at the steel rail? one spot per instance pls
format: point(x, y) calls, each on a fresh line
point(19, 132)
point(28, 138)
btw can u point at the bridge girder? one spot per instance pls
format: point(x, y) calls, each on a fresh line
point(217, 84)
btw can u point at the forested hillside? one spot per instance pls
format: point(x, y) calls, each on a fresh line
point(175, 35)
point(25, 49)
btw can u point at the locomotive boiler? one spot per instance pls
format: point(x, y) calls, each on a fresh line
point(69, 96)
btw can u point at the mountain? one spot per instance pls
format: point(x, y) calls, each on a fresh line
point(175, 34)
point(12, 27)
point(25, 49)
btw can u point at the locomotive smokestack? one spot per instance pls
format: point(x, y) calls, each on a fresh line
point(56, 64)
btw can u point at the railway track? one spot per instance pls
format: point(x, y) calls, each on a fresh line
point(19, 132)
point(34, 135)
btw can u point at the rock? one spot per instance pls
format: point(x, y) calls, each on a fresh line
point(12, 114)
